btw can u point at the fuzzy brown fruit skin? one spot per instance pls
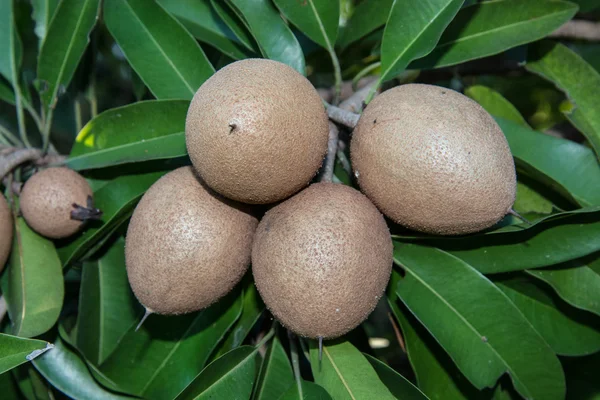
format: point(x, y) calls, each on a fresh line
point(322, 259)
point(6, 231)
point(47, 200)
point(257, 131)
point(433, 160)
point(186, 247)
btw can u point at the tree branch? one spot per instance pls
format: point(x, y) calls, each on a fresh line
point(326, 174)
point(341, 116)
point(578, 29)
point(17, 157)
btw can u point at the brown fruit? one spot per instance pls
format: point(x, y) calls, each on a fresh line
point(47, 200)
point(186, 247)
point(6, 231)
point(257, 131)
point(433, 160)
point(322, 259)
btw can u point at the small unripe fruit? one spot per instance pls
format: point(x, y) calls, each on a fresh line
point(186, 246)
point(48, 199)
point(6, 231)
point(322, 259)
point(433, 160)
point(257, 131)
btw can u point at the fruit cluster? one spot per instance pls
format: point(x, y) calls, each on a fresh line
point(427, 157)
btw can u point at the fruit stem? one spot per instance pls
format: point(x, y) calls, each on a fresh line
point(146, 315)
point(346, 118)
point(320, 348)
point(326, 174)
point(267, 337)
point(519, 216)
point(373, 91)
point(295, 362)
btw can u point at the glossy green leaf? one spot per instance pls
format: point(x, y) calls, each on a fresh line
point(142, 131)
point(9, 388)
point(555, 162)
point(310, 391)
point(6, 93)
point(202, 21)
point(229, 17)
point(15, 351)
point(398, 385)
point(316, 19)
point(69, 374)
point(10, 43)
point(568, 331)
point(479, 327)
point(567, 70)
point(274, 37)
point(495, 104)
point(345, 373)
point(576, 282)
point(32, 385)
point(491, 27)
point(231, 376)
point(437, 375)
point(160, 50)
point(412, 31)
point(368, 16)
point(543, 245)
point(275, 376)
point(167, 352)
point(107, 306)
point(63, 47)
point(116, 199)
point(33, 285)
point(531, 201)
point(252, 309)
point(43, 11)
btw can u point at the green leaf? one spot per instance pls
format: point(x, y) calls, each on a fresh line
point(252, 309)
point(166, 354)
point(368, 16)
point(576, 282)
point(234, 23)
point(316, 19)
point(15, 351)
point(555, 161)
point(160, 50)
point(116, 199)
point(6, 94)
point(400, 387)
point(231, 376)
point(495, 104)
point(546, 244)
point(33, 285)
point(69, 374)
point(142, 131)
point(568, 331)
point(203, 22)
point(437, 375)
point(491, 27)
point(43, 11)
point(345, 373)
point(63, 46)
point(107, 306)
point(574, 76)
point(10, 43)
point(9, 388)
point(412, 31)
point(586, 5)
point(310, 391)
point(529, 200)
point(275, 376)
point(274, 37)
point(483, 332)
point(31, 384)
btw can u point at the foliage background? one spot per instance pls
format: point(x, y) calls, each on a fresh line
point(509, 313)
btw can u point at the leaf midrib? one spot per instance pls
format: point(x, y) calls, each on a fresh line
point(337, 371)
point(321, 27)
point(236, 367)
point(467, 323)
point(162, 52)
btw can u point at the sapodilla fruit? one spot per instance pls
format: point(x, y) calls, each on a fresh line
point(186, 246)
point(322, 259)
point(50, 197)
point(6, 231)
point(433, 160)
point(257, 131)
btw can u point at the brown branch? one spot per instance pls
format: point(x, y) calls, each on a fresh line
point(341, 116)
point(355, 102)
point(16, 158)
point(326, 174)
point(578, 29)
